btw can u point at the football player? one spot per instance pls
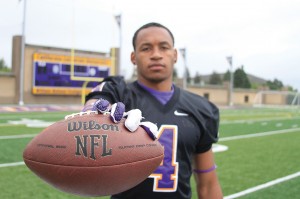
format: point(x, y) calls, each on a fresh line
point(187, 124)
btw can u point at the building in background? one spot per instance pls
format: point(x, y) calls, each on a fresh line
point(55, 75)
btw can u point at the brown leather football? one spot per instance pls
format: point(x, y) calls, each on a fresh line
point(89, 155)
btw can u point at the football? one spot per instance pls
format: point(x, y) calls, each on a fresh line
point(86, 154)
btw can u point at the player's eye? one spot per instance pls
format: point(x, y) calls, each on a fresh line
point(164, 47)
point(145, 48)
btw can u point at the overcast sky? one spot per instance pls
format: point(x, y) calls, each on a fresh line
point(261, 35)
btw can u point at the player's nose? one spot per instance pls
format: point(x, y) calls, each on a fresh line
point(156, 53)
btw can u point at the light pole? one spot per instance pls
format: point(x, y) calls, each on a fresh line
point(183, 53)
point(119, 21)
point(229, 59)
point(21, 102)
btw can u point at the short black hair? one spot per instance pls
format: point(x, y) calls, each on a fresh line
point(148, 25)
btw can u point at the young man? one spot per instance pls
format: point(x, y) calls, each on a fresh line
point(187, 123)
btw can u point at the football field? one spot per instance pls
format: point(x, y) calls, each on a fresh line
point(262, 159)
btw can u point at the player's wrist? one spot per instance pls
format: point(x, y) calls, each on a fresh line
point(89, 105)
point(86, 108)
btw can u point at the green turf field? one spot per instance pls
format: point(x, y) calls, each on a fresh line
point(263, 145)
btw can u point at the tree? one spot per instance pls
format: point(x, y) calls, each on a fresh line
point(175, 74)
point(197, 79)
point(188, 76)
point(241, 79)
point(226, 76)
point(275, 84)
point(215, 79)
point(3, 66)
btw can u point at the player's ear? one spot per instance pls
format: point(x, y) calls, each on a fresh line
point(175, 55)
point(132, 58)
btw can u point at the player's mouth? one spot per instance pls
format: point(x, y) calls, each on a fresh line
point(156, 66)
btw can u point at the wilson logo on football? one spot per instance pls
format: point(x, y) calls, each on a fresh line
point(91, 125)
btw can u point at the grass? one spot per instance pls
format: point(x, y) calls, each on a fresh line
point(12, 150)
point(288, 189)
point(254, 161)
point(46, 116)
point(248, 162)
point(249, 127)
point(18, 130)
point(20, 183)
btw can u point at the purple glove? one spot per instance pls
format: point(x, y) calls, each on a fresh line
point(101, 106)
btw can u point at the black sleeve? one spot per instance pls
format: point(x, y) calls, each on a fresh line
point(209, 127)
point(206, 116)
point(111, 88)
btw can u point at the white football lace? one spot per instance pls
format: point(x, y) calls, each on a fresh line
point(80, 114)
point(84, 113)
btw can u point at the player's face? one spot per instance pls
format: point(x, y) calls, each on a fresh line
point(154, 56)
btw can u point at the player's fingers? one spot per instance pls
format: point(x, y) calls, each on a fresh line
point(117, 112)
point(150, 128)
point(101, 106)
point(133, 120)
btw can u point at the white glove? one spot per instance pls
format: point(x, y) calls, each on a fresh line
point(133, 117)
point(133, 120)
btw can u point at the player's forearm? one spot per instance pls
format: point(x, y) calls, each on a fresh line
point(209, 191)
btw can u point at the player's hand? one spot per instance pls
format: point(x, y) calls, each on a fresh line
point(133, 117)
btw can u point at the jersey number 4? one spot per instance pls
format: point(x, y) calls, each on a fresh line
point(166, 175)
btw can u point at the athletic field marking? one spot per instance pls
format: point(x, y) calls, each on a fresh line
point(264, 123)
point(5, 137)
point(31, 122)
point(219, 148)
point(257, 120)
point(258, 134)
point(8, 117)
point(263, 186)
point(12, 164)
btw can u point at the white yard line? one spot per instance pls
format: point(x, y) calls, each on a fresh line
point(257, 120)
point(263, 186)
point(259, 134)
point(5, 137)
point(12, 164)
